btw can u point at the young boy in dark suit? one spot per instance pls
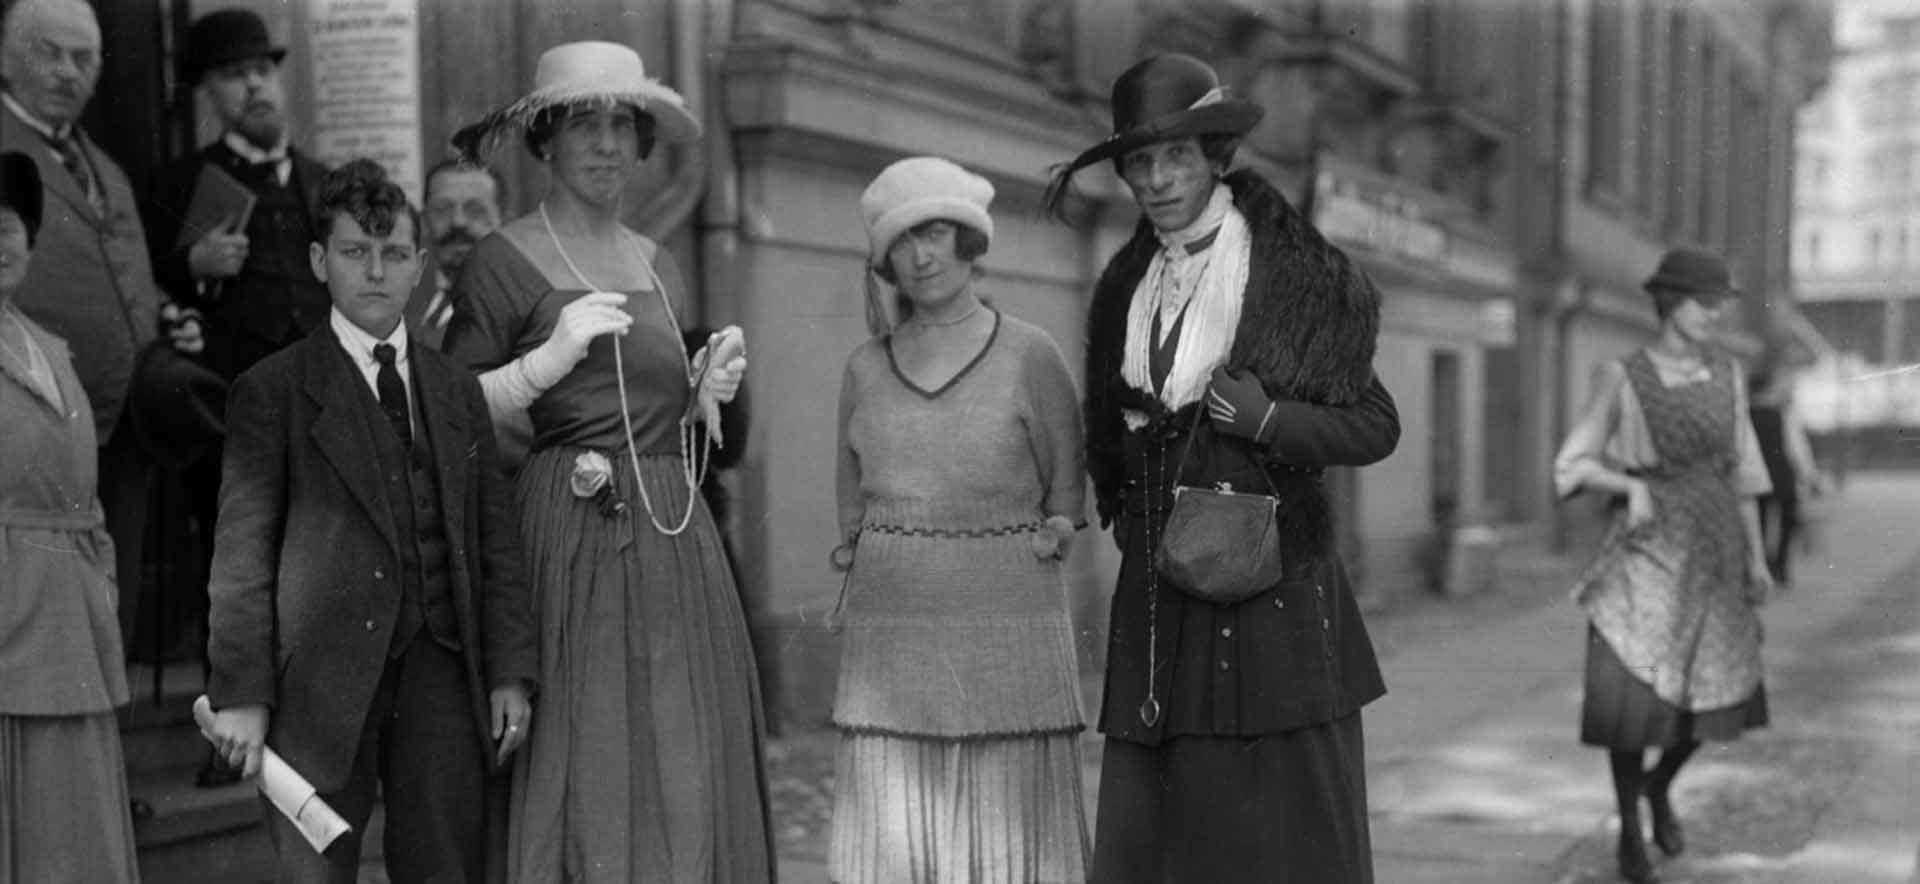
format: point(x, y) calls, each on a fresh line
point(369, 620)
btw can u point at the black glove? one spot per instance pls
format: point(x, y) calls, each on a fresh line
point(1238, 404)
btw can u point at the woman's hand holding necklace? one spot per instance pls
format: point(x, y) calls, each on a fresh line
point(589, 316)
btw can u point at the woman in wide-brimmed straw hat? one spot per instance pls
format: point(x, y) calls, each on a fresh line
point(1227, 325)
point(960, 488)
point(63, 788)
point(1673, 648)
point(644, 760)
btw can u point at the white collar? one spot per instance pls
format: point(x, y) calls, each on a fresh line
point(252, 153)
point(1218, 204)
point(359, 344)
point(45, 129)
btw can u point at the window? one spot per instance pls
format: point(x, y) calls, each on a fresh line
point(1605, 91)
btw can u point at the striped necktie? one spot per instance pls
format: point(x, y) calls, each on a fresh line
point(76, 165)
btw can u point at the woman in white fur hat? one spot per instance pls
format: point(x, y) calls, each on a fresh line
point(960, 487)
point(644, 758)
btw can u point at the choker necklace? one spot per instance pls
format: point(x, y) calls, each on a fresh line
point(954, 321)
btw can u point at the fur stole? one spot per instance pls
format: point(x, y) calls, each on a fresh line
point(1307, 329)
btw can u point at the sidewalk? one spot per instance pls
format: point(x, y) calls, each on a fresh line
point(1444, 660)
point(1475, 775)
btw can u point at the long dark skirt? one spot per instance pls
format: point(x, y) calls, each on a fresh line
point(1283, 809)
point(1621, 711)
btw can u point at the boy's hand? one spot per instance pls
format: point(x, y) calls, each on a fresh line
point(240, 734)
point(511, 715)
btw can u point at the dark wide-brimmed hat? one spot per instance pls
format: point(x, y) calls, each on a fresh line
point(1165, 97)
point(1692, 271)
point(593, 73)
point(178, 406)
point(20, 188)
point(223, 37)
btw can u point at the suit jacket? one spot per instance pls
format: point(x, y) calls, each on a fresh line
point(306, 559)
point(238, 310)
point(89, 282)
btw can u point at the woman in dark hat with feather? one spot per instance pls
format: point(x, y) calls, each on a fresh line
point(1229, 344)
point(63, 788)
point(1673, 652)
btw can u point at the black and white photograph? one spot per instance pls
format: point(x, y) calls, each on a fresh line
point(959, 441)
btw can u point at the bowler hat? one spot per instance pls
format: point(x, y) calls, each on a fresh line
point(1165, 97)
point(178, 406)
point(1692, 271)
point(225, 36)
point(20, 188)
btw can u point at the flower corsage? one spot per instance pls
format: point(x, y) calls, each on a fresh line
point(593, 480)
point(1051, 540)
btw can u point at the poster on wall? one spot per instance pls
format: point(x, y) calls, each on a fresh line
point(366, 84)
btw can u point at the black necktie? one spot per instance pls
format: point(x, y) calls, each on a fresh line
point(76, 165)
point(393, 394)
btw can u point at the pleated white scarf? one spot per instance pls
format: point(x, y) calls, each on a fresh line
point(1212, 301)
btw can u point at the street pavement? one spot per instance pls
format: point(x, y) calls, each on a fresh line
point(1475, 774)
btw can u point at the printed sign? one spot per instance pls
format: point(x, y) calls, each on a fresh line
point(366, 84)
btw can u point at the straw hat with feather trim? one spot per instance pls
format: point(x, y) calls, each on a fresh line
point(589, 72)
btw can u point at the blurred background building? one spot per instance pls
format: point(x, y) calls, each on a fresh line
point(1507, 172)
point(1857, 239)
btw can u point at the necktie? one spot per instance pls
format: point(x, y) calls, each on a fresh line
point(393, 394)
point(76, 165)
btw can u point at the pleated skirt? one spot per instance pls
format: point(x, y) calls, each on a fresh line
point(1286, 808)
point(1619, 710)
point(911, 810)
point(644, 762)
point(63, 801)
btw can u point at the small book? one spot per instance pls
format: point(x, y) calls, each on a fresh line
point(220, 202)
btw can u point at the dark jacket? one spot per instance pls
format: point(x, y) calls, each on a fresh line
point(306, 555)
point(275, 299)
point(89, 283)
point(1297, 654)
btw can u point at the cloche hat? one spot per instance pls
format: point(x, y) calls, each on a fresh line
point(20, 188)
point(1164, 97)
point(590, 72)
point(916, 190)
point(223, 37)
point(1692, 271)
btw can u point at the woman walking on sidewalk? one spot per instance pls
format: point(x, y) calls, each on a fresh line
point(1230, 347)
point(960, 486)
point(1673, 651)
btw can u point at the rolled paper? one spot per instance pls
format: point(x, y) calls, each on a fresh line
point(286, 790)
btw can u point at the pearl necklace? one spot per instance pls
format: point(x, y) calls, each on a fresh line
point(693, 475)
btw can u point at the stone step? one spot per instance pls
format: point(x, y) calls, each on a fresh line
point(182, 812)
point(217, 836)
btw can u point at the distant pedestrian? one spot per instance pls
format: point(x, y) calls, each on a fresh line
point(63, 787)
point(1673, 650)
point(1791, 468)
point(960, 488)
point(1228, 344)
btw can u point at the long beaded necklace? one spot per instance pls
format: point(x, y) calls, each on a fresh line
point(692, 474)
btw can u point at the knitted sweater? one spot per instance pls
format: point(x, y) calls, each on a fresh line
point(955, 627)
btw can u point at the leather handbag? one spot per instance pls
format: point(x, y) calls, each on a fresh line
point(1220, 545)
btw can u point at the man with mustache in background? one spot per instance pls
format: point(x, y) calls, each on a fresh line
point(250, 279)
point(462, 206)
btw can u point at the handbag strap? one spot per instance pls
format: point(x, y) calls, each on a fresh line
point(1186, 450)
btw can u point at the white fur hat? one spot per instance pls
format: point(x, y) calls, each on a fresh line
point(920, 189)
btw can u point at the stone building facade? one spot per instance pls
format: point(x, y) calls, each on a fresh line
point(1507, 172)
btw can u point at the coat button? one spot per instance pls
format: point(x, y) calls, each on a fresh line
point(379, 573)
point(1226, 632)
point(1279, 603)
point(370, 626)
point(1226, 666)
